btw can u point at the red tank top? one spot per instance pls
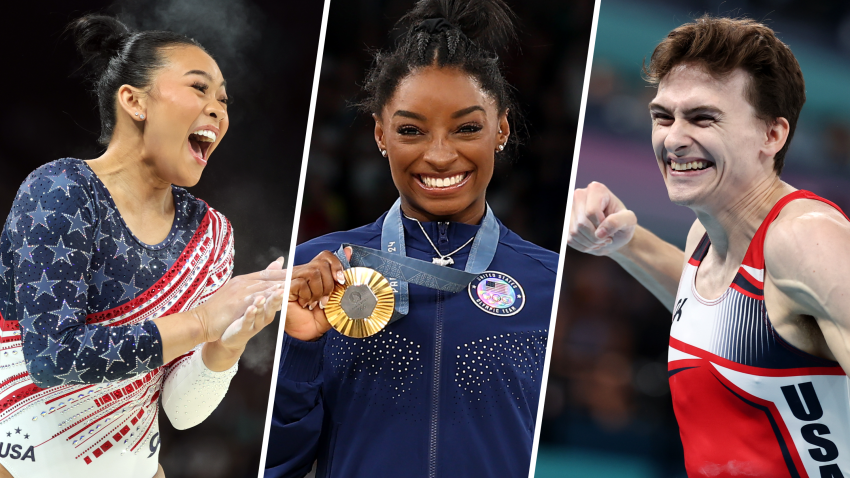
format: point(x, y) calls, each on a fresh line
point(749, 403)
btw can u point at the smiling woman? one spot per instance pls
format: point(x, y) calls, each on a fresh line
point(440, 314)
point(447, 182)
point(115, 289)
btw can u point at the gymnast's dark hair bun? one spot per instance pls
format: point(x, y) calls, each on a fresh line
point(118, 56)
point(98, 38)
point(490, 23)
point(461, 34)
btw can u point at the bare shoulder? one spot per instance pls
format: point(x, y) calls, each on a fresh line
point(806, 227)
point(807, 209)
point(808, 237)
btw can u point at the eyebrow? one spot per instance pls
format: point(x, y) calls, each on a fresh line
point(689, 111)
point(205, 75)
point(466, 111)
point(655, 106)
point(409, 114)
point(455, 115)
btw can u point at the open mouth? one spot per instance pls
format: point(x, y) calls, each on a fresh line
point(199, 143)
point(434, 182)
point(696, 165)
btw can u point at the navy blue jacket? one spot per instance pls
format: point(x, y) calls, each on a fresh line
point(450, 390)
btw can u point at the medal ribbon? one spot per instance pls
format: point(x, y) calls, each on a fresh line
point(392, 261)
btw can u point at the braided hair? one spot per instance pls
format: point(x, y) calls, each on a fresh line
point(461, 34)
point(117, 56)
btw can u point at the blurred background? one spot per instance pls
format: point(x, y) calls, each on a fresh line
point(348, 182)
point(608, 411)
point(267, 52)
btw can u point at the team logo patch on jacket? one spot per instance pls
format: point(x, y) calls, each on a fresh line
point(497, 293)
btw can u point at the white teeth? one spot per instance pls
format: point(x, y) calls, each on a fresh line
point(205, 135)
point(442, 182)
point(686, 166)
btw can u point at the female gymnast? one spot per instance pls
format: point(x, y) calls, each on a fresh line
point(450, 386)
point(115, 290)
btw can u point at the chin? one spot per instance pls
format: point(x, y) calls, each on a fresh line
point(187, 179)
point(443, 208)
point(191, 181)
point(683, 197)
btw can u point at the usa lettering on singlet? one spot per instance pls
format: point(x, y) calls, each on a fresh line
point(749, 403)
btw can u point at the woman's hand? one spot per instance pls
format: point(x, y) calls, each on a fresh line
point(231, 302)
point(223, 353)
point(310, 290)
point(257, 316)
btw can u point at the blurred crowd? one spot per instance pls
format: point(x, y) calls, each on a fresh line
point(607, 386)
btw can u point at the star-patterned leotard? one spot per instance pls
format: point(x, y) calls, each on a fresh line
point(81, 365)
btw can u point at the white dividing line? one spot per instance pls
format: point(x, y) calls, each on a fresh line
point(296, 220)
point(587, 70)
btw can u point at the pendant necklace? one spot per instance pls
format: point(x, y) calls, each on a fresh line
point(444, 259)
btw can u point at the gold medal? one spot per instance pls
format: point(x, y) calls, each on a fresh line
point(363, 306)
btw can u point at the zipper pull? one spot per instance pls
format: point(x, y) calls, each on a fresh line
point(443, 230)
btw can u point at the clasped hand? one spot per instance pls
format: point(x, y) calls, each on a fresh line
point(312, 284)
point(242, 307)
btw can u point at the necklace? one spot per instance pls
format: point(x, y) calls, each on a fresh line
point(443, 260)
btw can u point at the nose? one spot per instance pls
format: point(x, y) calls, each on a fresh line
point(678, 138)
point(216, 110)
point(440, 153)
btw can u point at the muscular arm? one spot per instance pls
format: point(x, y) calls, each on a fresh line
point(806, 264)
point(656, 264)
point(601, 225)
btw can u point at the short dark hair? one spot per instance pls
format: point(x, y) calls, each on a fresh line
point(776, 87)
point(118, 56)
point(466, 39)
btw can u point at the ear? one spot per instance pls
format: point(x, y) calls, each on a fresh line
point(132, 101)
point(504, 129)
point(776, 136)
point(379, 132)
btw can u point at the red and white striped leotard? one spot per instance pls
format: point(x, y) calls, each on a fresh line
point(749, 403)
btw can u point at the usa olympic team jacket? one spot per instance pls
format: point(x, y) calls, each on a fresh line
point(449, 390)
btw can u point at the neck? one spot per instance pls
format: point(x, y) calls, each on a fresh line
point(473, 214)
point(731, 226)
point(128, 173)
